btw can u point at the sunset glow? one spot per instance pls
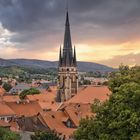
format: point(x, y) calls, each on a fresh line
point(102, 36)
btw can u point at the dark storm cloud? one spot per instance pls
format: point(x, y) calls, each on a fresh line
point(19, 15)
point(33, 18)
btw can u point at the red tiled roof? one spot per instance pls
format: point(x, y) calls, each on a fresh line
point(54, 120)
point(41, 97)
point(78, 111)
point(5, 110)
point(45, 100)
point(25, 108)
point(11, 98)
point(88, 94)
point(49, 105)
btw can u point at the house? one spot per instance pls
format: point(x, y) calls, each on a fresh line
point(19, 88)
point(31, 124)
point(25, 108)
point(59, 122)
point(64, 121)
point(77, 111)
point(96, 81)
point(6, 113)
point(41, 112)
point(46, 121)
point(46, 100)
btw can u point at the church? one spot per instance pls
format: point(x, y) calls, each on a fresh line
point(67, 68)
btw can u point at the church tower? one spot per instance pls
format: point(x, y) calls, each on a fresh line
point(67, 69)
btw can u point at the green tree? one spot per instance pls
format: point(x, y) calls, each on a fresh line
point(45, 136)
point(136, 137)
point(118, 118)
point(6, 134)
point(122, 76)
point(86, 82)
point(7, 86)
point(30, 91)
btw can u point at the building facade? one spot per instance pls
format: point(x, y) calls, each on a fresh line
point(67, 69)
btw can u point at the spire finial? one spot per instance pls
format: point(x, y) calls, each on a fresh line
point(67, 5)
point(67, 14)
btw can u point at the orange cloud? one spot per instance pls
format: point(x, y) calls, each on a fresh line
point(129, 59)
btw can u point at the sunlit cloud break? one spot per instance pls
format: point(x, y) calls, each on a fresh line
point(106, 32)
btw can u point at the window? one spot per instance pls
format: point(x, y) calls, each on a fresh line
point(9, 118)
point(2, 118)
point(53, 116)
point(69, 124)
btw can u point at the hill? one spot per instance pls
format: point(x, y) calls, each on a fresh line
point(42, 64)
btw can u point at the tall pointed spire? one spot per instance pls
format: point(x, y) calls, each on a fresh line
point(67, 14)
point(67, 19)
point(67, 36)
point(67, 70)
point(66, 57)
point(67, 48)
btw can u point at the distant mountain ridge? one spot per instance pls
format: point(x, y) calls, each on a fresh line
point(42, 64)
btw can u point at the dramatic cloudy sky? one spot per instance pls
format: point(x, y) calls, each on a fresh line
point(103, 31)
